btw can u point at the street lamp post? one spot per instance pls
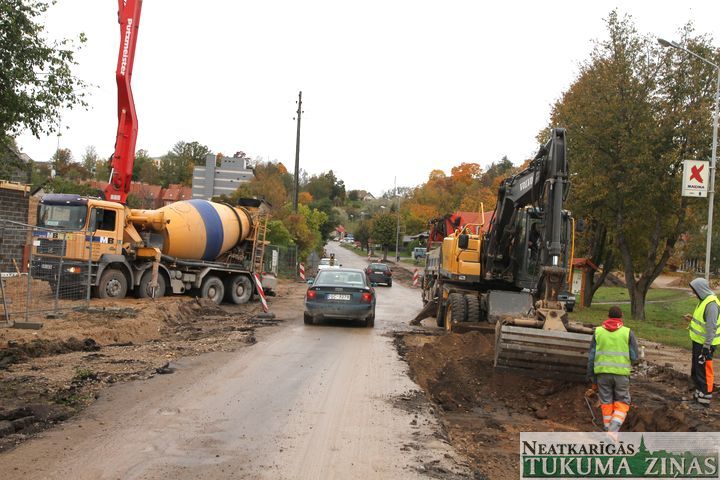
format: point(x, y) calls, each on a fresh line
point(711, 193)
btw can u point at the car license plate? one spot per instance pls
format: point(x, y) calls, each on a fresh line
point(46, 266)
point(338, 296)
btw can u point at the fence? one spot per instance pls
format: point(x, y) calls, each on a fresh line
point(282, 261)
point(36, 281)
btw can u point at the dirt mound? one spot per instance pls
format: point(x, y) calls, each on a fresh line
point(16, 352)
point(484, 409)
point(443, 364)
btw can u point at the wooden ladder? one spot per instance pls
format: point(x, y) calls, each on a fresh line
point(259, 241)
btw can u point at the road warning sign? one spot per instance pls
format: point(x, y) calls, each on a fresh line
point(696, 177)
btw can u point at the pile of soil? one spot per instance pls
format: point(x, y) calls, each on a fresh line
point(402, 274)
point(484, 409)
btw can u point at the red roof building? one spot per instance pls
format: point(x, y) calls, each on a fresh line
point(175, 192)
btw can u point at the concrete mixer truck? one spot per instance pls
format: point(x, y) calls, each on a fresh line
point(207, 248)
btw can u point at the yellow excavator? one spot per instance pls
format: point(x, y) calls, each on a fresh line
point(512, 277)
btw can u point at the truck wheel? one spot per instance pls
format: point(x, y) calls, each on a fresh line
point(238, 289)
point(144, 290)
point(473, 308)
point(456, 310)
point(212, 289)
point(113, 284)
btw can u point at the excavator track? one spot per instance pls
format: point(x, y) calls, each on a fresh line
point(549, 353)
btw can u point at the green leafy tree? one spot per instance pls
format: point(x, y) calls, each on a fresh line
point(304, 226)
point(90, 160)
point(326, 185)
point(179, 162)
point(11, 166)
point(499, 169)
point(269, 184)
point(383, 231)
point(278, 234)
point(633, 114)
point(334, 216)
point(362, 234)
point(145, 169)
point(36, 83)
point(102, 169)
point(63, 185)
point(61, 161)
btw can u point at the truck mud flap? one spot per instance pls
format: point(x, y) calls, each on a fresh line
point(550, 354)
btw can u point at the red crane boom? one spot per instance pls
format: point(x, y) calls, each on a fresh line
point(124, 156)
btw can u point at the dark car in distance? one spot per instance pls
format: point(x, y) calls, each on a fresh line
point(379, 273)
point(340, 293)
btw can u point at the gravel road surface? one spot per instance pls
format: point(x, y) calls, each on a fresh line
point(324, 401)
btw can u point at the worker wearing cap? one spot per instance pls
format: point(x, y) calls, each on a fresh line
point(613, 349)
point(705, 335)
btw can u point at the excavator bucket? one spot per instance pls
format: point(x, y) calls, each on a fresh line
point(547, 353)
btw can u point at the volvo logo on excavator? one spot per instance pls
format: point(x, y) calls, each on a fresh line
point(525, 184)
point(126, 46)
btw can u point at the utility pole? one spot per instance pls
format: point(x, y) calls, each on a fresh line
point(397, 232)
point(297, 155)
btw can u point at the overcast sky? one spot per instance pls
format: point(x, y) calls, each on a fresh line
point(390, 88)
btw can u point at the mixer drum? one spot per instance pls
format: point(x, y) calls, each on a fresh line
point(203, 230)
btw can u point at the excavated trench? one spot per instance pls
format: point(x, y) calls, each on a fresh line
point(484, 409)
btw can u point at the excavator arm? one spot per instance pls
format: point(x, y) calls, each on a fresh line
point(124, 157)
point(543, 183)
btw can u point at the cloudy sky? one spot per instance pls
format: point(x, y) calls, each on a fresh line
point(391, 88)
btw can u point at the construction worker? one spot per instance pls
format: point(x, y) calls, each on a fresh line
point(705, 334)
point(613, 349)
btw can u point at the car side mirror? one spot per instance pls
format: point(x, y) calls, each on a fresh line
point(463, 241)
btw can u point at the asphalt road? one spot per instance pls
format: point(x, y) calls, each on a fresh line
point(305, 402)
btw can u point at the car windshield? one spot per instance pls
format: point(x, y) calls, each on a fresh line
point(340, 278)
point(379, 266)
point(70, 217)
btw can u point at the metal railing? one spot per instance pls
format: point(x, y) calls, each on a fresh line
point(38, 281)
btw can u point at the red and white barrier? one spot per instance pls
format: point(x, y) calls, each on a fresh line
point(416, 278)
point(263, 300)
point(302, 272)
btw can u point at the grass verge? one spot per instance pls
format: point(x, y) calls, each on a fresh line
point(664, 312)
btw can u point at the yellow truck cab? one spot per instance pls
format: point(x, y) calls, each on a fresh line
point(77, 237)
